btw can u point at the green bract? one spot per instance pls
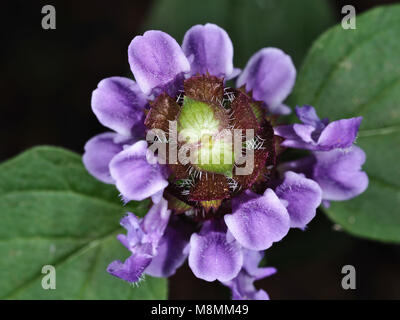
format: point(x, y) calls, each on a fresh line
point(215, 155)
point(195, 120)
point(198, 125)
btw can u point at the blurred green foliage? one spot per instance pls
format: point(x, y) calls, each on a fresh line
point(251, 24)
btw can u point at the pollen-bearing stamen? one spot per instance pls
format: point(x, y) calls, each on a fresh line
point(208, 118)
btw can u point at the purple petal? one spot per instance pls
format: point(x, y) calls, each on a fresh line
point(119, 105)
point(297, 136)
point(326, 204)
point(156, 198)
point(99, 151)
point(282, 109)
point(243, 288)
point(142, 240)
point(155, 221)
point(302, 195)
point(234, 74)
point(212, 256)
point(251, 260)
point(270, 74)
point(170, 253)
point(134, 230)
point(304, 132)
point(135, 177)
point(339, 134)
point(298, 144)
point(286, 131)
point(209, 49)
point(308, 115)
point(303, 165)
point(157, 61)
point(130, 270)
point(259, 221)
point(259, 295)
point(338, 173)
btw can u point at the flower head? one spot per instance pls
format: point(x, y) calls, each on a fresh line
point(210, 160)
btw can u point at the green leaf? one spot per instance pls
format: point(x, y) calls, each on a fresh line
point(54, 213)
point(251, 24)
point(350, 73)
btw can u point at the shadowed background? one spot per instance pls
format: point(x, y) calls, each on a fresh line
point(47, 77)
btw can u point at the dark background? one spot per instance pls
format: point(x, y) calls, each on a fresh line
point(46, 82)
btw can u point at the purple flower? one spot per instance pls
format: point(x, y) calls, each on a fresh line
point(209, 49)
point(119, 105)
point(335, 163)
point(132, 165)
point(142, 239)
point(316, 134)
point(156, 246)
point(301, 196)
point(99, 151)
point(213, 255)
point(338, 172)
point(242, 286)
point(171, 252)
point(157, 62)
point(219, 219)
point(255, 223)
point(258, 221)
point(270, 75)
